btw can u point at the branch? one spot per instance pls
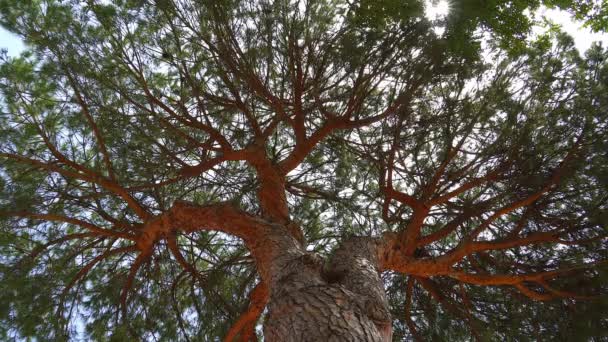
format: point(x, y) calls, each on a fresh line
point(36, 251)
point(514, 279)
point(96, 131)
point(174, 248)
point(139, 261)
point(549, 186)
point(431, 187)
point(85, 270)
point(404, 198)
point(265, 240)
point(193, 171)
point(467, 311)
point(190, 121)
point(408, 310)
point(491, 176)
point(302, 150)
point(257, 302)
point(431, 287)
point(58, 218)
point(88, 176)
point(451, 226)
point(176, 310)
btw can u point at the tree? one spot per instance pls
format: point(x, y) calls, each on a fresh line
point(170, 169)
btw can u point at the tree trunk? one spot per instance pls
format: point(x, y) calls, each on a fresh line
point(343, 301)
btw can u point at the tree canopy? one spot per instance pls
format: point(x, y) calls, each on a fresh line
point(143, 141)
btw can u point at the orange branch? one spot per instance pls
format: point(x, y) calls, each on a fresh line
point(245, 325)
point(551, 183)
point(174, 248)
point(36, 251)
point(465, 187)
point(506, 279)
point(432, 186)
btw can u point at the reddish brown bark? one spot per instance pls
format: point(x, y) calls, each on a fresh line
point(245, 325)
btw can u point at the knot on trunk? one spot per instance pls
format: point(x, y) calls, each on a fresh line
point(301, 272)
point(355, 266)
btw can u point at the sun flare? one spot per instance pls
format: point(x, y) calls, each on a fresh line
point(436, 9)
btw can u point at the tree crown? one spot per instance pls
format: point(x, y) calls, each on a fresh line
point(144, 146)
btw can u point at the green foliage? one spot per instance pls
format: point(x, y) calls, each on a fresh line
point(145, 76)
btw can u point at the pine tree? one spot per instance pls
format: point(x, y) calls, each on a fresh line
point(321, 170)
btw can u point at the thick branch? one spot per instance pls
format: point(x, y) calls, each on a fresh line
point(257, 302)
point(265, 240)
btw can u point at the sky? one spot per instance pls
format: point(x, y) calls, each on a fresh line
point(583, 37)
point(10, 42)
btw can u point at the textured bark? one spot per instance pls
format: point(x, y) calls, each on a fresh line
point(245, 325)
point(322, 312)
point(355, 266)
point(312, 300)
point(344, 302)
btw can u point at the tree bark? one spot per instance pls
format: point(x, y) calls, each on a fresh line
point(309, 300)
point(343, 301)
point(322, 312)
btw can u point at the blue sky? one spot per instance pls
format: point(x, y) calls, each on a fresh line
point(11, 42)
